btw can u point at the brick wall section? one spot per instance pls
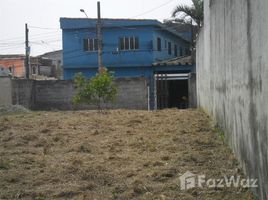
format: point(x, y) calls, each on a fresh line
point(57, 94)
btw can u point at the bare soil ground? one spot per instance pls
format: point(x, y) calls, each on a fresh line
point(119, 155)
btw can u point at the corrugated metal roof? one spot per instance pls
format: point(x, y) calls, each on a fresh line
point(51, 53)
point(183, 60)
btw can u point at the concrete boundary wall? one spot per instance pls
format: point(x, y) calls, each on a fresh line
point(57, 94)
point(5, 91)
point(23, 93)
point(232, 79)
point(192, 90)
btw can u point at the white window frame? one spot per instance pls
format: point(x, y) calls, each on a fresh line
point(129, 43)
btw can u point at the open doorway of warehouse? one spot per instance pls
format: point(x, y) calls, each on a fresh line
point(172, 91)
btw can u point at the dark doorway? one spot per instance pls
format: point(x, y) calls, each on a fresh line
point(178, 94)
point(172, 92)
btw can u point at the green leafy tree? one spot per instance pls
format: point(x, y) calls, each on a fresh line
point(99, 90)
point(186, 14)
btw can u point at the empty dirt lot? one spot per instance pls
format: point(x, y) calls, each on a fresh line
point(119, 155)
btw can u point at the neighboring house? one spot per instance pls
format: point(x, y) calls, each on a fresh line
point(186, 31)
point(14, 63)
point(56, 61)
point(4, 72)
point(131, 48)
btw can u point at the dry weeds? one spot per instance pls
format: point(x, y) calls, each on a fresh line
point(119, 155)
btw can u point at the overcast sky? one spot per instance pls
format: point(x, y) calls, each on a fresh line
point(43, 16)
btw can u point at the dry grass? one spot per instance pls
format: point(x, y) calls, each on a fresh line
point(119, 155)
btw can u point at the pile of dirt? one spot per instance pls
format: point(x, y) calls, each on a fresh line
point(118, 155)
point(5, 109)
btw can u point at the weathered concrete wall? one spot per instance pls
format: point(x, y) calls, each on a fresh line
point(232, 79)
point(5, 91)
point(132, 93)
point(23, 92)
point(57, 94)
point(192, 90)
point(53, 94)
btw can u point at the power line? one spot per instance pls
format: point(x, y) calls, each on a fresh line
point(13, 47)
point(153, 9)
point(40, 40)
point(46, 39)
point(22, 37)
point(45, 42)
point(45, 28)
point(10, 44)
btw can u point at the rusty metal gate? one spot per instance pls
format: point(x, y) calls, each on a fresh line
point(162, 91)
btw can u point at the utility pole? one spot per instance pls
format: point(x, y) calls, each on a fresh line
point(99, 36)
point(27, 51)
point(192, 35)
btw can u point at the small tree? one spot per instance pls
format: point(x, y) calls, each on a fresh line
point(186, 14)
point(98, 90)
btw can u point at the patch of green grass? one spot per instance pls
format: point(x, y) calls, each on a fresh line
point(4, 165)
point(39, 198)
point(220, 132)
point(221, 135)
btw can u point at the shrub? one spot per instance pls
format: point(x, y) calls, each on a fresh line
point(99, 90)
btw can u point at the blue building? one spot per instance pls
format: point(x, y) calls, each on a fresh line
point(131, 48)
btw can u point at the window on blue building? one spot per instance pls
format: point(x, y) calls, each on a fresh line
point(90, 44)
point(159, 48)
point(181, 51)
point(132, 43)
point(175, 50)
point(121, 44)
point(128, 43)
point(169, 48)
point(136, 43)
